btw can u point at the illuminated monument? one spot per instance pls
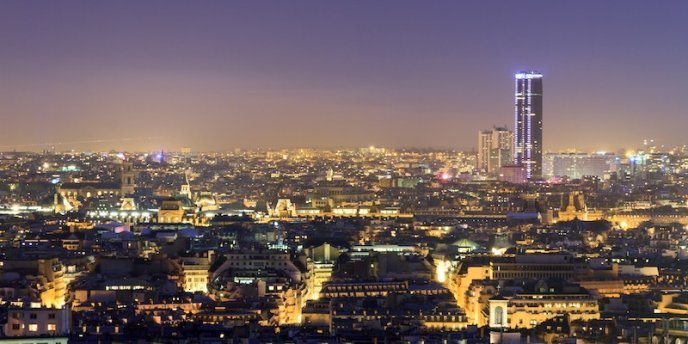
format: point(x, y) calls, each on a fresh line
point(528, 123)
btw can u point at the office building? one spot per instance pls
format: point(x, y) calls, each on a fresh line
point(528, 123)
point(494, 149)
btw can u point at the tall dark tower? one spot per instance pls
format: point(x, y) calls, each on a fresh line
point(528, 123)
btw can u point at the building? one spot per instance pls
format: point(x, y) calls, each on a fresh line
point(260, 260)
point(476, 300)
point(573, 207)
point(538, 266)
point(321, 261)
point(127, 178)
point(516, 174)
point(89, 189)
point(528, 123)
point(33, 320)
point(578, 165)
point(195, 272)
point(171, 211)
point(526, 309)
point(282, 298)
point(46, 277)
point(672, 330)
point(494, 149)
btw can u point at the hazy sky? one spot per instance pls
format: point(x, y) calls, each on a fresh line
point(217, 75)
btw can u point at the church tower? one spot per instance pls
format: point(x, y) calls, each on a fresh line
point(186, 187)
point(127, 178)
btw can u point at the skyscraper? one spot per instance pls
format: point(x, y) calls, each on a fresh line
point(495, 149)
point(484, 148)
point(528, 123)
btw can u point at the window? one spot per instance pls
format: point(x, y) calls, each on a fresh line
point(33, 327)
point(499, 315)
point(52, 327)
point(16, 326)
point(51, 316)
point(32, 316)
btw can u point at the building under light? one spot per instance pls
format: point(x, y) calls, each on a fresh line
point(528, 123)
point(495, 148)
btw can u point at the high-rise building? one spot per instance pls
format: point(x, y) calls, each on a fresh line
point(494, 149)
point(528, 123)
point(484, 147)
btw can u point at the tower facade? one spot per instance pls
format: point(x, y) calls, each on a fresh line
point(186, 187)
point(528, 123)
point(127, 178)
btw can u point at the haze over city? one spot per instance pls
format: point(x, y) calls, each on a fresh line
point(301, 171)
point(218, 75)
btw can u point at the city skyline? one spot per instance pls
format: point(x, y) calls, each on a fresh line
point(132, 76)
point(307, 171)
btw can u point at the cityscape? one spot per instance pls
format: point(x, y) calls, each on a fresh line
point(144, 225)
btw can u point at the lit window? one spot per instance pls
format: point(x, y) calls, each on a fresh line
point(52, 327)
point(33, 327)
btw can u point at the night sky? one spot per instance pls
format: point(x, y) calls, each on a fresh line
point(218, 75)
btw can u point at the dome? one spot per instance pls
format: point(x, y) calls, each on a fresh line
point(206, 200)
point(465, 245)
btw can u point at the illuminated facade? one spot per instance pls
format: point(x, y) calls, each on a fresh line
point(477, 298)
point(50, 282)
point(89, 189)
point(495, 148)
point(573, 207)
point(528, 123)
point(260, 260)
point(195, 272)
point(526, 311)
point(34, 320)
point(321, 261)
point(46, 276)
point(321, 273)
point(171, 211)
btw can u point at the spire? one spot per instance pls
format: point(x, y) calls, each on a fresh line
point(186, 187)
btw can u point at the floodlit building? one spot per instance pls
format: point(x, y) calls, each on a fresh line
point(33, 320)
point(195, 272)
point(527, 308)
